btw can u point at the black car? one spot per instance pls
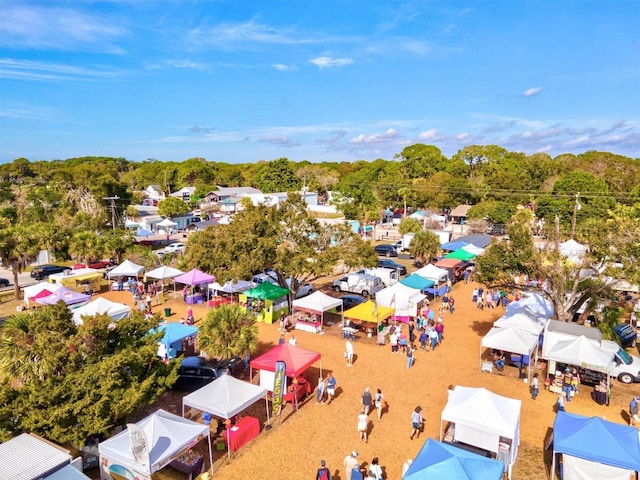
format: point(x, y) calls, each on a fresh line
point(386, 250)
point(388, 263)
point(4, 282)
point(350, 301)
point(196, 372)
point(43, 271)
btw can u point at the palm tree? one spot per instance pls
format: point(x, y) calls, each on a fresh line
point(19, 246)
point(425, 244)
point(227, 331)
point(85, 246)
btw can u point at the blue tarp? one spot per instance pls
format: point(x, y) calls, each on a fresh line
point(143, 232)
point(617, 445)
point(174, 333)
point(416, 281)
point(481, 240)
point(453, 245)
point(437, 461)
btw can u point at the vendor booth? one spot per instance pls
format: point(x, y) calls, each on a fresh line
point(461, 254)
point(595, 449)
point(438, 461)
point(471, 248)
point(453, 245)
point(83, 280)
point(66, 295)
point(165, 273)
point(418, 282)
point(227, 293)
point(151, 444)
point(511, 340)
point(366, 312)
point(482, 419)
point(225, 398)
point(32, 290)
point(117, 311)
point(403, 299)
point(533, 305)
point(126, 269)
point(266, 301)
point(522, 321)
point(195, 279)
point(431, 272)
point(176, 337)
point(314, 305)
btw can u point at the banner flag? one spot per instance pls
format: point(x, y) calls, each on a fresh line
point(278, 386)
point(139, 444)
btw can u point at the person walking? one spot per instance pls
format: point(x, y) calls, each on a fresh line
point(433, 336)
point(350, 462)
point(366, 401)
point(320, 391)
point(451, 305)
point(323, 472)
point(423, 339)
point(393, 341)
point(349, 353)
point(535, 386)
point(566, 384)
point(378, 402)
point(633, 410)
point(440, 331)
point(363, 421)
point(560, 402)
point(417, 422)
point(375, 471)
point(409, 356)
point(331, 387)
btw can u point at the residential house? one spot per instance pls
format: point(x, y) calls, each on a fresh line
point(459, 214)
point(155, 194)
point(184, 193)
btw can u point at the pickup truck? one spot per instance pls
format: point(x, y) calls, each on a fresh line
point(196, 372)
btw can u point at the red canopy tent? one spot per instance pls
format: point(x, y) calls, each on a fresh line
point(296, 359)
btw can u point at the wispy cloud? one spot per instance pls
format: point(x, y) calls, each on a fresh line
point(27, 112)
point(31, 70)
point(530, 92)
point(44, 27)
point(384, 137)
point(188, 65)
point(283, 68)
point(329, 62)
point(275, 139)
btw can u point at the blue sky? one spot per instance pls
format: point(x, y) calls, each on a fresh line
point(318, 80)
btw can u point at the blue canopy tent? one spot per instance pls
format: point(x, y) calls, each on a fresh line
point(453, 245)
point(174, 334)
point(595, 449)
point(143, 232)
point(438, 460)
point(416, 281)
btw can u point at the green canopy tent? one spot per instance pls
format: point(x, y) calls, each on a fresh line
point(267, 308)
point(461, 254)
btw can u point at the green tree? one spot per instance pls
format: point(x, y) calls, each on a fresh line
point(277, 176)
point(424, 246)
point(172, 207)
point(409, 225)
point(19, 246)
point(227, 331)
point(86, 246)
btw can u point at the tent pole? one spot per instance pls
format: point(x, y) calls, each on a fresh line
point(266, 404)
point(228, 430)
point(210, 453)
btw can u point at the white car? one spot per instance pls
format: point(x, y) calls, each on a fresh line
point(175, 248)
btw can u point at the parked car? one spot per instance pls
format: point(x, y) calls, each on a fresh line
point(350, 301)
point(175, 248)
point(627, 334)
point(97, 265)
point(43, 271)
point(386, 250)
point(4, 282)
point(196, 372)
point(359, 283)
point(388, 263)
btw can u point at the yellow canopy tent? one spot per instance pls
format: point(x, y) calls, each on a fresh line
point(369, 312)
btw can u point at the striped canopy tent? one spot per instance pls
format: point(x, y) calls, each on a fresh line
point(461, 254)
point(416, 281)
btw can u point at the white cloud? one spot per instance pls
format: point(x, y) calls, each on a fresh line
point(431, 134)
point(274, 140)
point(30, 70)
point(329, 62)
point(376, 138)
point(188, 64)
point(463, 136)
point(282, 67)
point(530, 92)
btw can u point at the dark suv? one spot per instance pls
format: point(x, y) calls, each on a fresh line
point(196, 372)
point(43, 271)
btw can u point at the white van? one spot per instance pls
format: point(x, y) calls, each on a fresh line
point(389, 276)
point(360, 283)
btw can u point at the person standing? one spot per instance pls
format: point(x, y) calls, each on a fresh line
point(331, 387)
point(560, 402)
point(409, 356)
point(393, 341)
point(566, 384)
point(349, 353)
point(633, 410)
point(320, 391)
point(292, 341)
point(350, 462)
point(433, 336)
point(375, 471)
point(417, 422)
point(378, 402)
point(440, 331)
point(423, 339)
point(323, 472)
point(363, 421)
point(281, 340)
point(366, 401)
point(535, 386)
point(451, 305)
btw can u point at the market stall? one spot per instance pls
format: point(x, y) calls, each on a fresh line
point(66, 295)
point(366, 312)
point(227, 293)
point(404, 300)
point(461, 254)
point(314, 305)
point(149, 445)
point(225, 398)
point(616, 457)
point(176, 338)
point(33, 290)
point(531, 304)
point(195, 279)
point(165, 273)
point(117, 311)
point(431, 272)
point(126, 269)
point(418, 282)
point(267, 301)
point(482, 419)
point(511, 340)
point(437, 461)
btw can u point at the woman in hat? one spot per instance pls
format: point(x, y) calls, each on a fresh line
point(417, 421)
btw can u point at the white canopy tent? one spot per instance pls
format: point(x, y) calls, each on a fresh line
point(164, 435)
point(167, 222)
point(583, 352)
point(232, 287)
point(485, 420)
point(434, 273)
point(117, 311)
point(404, 299)
point(225, 397)
point(126, 269)
point(522, 321)
point(317, 303)
point(534, 305)
point(511, 340)
point(573, 250)
point(164, 273)
point(471, 248)
point(33, 290)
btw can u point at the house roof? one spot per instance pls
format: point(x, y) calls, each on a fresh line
point(183, 190)
point(27, 457)
point(460, 211)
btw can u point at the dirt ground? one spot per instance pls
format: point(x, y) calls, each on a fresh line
point(297, 441)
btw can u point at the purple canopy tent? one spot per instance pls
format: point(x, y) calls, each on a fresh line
point(67, 295)
point(194, 277)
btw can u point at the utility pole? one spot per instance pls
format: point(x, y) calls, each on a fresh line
point(576, 207)
point(114, 213)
